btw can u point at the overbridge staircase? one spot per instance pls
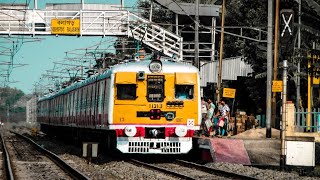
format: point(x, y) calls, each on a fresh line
point(21, 21)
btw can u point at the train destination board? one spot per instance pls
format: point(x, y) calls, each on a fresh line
point(65, 26)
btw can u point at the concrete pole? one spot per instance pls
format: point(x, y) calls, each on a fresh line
point(82, 4)
point(196, 37)
point(221, 51)
point(275, 64)
point(284, 113)
point(269, 69)
point(8, 113)
point(35, 4)
point(177, 24)
point(298, 66)
point(122, 4)
point(150, 15)
point(81, 72)
point(213, 38)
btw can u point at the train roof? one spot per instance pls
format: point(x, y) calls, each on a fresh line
point(167, 67)
point(135, 66)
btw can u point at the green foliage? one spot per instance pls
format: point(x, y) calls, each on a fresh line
point(129, 46)
point(310, 18)
point(159, 14)
point(248, 13)
point(8, 101)
point(9, 96)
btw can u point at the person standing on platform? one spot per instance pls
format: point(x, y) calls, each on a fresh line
point(204, 111)
point(224, 112)
point(211, 108)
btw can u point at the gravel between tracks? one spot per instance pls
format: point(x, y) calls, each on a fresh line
point(256, 172)
point(197, 174)
point(113, 169)
point(27, 163)
point(104, 168)
point(123, 170)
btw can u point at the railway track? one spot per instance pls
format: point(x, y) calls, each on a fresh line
point(189, 170)
point(24, 159)
point(117, 166)
point(228, 174)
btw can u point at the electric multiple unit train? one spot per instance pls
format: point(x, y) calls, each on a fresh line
point(149, 107)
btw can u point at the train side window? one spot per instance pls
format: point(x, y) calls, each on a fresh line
point(126, 91)
point(184, 92)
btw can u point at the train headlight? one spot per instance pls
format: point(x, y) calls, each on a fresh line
point(181, 131)
point(130, 131)
point(155, 66)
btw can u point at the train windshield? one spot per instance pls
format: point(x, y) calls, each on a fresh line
point(126, 91)
point(155, 88)
point(183, 92)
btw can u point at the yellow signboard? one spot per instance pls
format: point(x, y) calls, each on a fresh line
point(316, 80)
point(229, 92)
point(65, 26)
point(276, 86)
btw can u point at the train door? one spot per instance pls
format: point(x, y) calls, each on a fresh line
point(100, 103)
point(93, 104)
point(97, 84)
point(87, 105)
point(81, 106)
point(72, 107)
point(77, 106)
point(105, 101)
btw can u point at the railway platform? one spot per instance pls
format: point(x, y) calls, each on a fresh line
point(248, 148)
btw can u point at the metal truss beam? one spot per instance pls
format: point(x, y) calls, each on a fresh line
point(92, 23)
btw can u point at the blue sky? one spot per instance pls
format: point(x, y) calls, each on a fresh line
point(40, 55)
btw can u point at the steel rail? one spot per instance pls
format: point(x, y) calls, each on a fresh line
point(7, 161)
point(215, 171)
point(166, 171)
point(58, 161)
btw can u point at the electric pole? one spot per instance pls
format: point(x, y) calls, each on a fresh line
point(196, 37)
point(269, 69)
point(284, 113)
point(275, 64)
point(298, 65)
point(221, 51)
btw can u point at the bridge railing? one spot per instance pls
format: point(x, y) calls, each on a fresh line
point(155, 36)
point(93, 23)
point(39, 21)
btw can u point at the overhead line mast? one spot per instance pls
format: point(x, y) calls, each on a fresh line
point(269, 69)
point(221, 51)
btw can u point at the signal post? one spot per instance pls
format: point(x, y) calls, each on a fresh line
point(286, 48)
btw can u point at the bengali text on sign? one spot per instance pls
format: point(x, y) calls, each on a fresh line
point(229, 93)
point(65, 26)
point(276, 86)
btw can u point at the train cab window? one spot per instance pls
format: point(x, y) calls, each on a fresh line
point(155, 88)
point(126, 91)
point(183, 92)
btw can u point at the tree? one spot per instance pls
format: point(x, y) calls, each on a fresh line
point(251, 14)
point(8, 99)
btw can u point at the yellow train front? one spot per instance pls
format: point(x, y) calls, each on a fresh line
point(139, 107)
point(156, 106)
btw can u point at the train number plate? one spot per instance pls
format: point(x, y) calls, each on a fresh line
point(155, 106)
